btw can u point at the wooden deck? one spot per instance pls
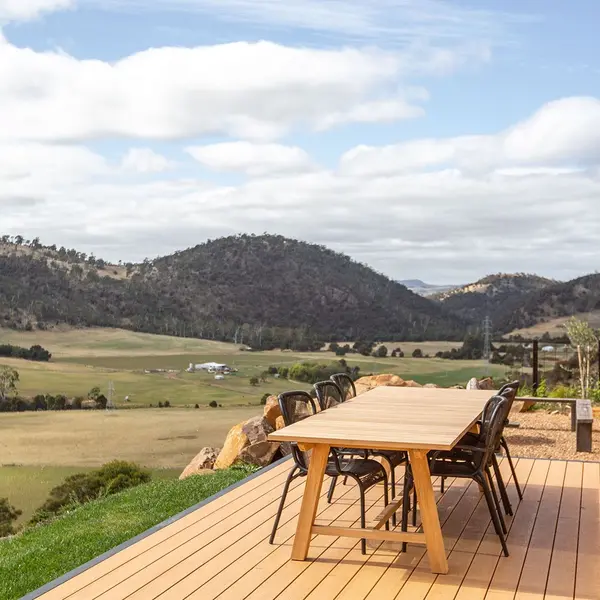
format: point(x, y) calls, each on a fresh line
point(221, 551)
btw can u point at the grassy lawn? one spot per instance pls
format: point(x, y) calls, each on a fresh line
point(28, 487)
point(41, 554)
point(154, 438)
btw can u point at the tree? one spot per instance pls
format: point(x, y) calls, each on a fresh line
point(585, 340)
point(381, 352)
point(9, 378)
point(417, 353)
point(254, 381)
point(8, 514)
point(94, 393)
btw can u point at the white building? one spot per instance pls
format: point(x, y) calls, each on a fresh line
point(211, 367)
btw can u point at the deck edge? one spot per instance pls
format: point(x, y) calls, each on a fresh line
point(92, 563)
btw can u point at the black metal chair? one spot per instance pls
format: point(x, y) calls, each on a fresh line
point(330, 394)
point(346, 384)
point(296, 406)
point(472, 461)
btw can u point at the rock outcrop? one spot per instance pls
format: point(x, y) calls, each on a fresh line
point(272, 411)
point(247, 442)
point(202, 462)
point(364, 384)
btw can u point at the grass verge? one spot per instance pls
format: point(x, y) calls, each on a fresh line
point(41, 554)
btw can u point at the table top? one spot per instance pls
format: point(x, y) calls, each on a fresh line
point(393, 418)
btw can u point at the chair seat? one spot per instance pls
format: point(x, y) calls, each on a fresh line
point(459, 466)
point(368, 471)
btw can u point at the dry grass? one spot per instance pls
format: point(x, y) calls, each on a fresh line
point(556, 326)
point(167, 438)
point(545, 435)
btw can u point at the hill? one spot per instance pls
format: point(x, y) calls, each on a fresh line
point(580, 296)
point(264, 291)
point(493, 296)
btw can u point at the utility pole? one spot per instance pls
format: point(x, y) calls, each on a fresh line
point(110, 405)
point(487, 338)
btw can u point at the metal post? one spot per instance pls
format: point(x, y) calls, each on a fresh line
point(536, 367)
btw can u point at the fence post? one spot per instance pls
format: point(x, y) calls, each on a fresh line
point(535, 363)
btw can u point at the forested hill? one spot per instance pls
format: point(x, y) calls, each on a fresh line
point(493, 296)
point(561, 299)
point(262, 290)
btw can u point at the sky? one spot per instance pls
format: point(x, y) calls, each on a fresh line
point(434, 139)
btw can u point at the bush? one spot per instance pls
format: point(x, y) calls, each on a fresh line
point(196, 406)
point(381, 352)
point(8, 514)
point(213, 404)
point(417, 353)
point(80, 488)
point(263, 400)
point(254, 381)
point(283, 372)
point(167, 404)
point(312, 372)
point(36, 353)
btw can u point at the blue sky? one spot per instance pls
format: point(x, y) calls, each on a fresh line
point(417, 131)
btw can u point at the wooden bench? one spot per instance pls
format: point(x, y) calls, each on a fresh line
point(585, 420)
point(582, 418)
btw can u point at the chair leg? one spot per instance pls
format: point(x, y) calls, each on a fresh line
point(496, 500)
point(442, 484)
point(405, 505)
point(414, 507)
point(386, 499)
point(501, 487)
point(493, 512)
point(291, 476)
point(363, 518)
point(504, 444)
point(331, 489)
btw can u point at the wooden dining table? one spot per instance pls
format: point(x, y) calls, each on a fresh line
point(415, 420)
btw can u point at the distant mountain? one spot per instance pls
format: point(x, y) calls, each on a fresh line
point(264, 290)
point(494, 296)
point(425, 289)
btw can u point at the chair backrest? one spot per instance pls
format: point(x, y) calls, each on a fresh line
point(509, 391)
point(296, 406)
point(328, 394)
point(345, 383)
point(486, 415)
point(491, 428)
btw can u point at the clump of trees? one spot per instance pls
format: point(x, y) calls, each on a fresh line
point(585, 341)
point(80, 488)
point(309, 372)
point(8, 515)
point(35, 353)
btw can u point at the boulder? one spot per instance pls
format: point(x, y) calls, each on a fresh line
point(487, 384)
point(272, 411)
point(411, 383)
point(431, 385)
point(473, 384)
point(279, 423)
point(202, 462)
point(364, 384)
point(247, 442)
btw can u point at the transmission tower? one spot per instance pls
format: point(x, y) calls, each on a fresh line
point(487, 338)
point(111, 392)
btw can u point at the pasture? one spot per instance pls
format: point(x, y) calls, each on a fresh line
point(39, 449)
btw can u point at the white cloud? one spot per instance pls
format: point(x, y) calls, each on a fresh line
point(256, 160)
point(247, 90)
point(387, 21)
point(145, 160)
point(562, 133)
point(22, 10)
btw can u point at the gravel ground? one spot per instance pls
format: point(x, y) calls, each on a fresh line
point(545, 435)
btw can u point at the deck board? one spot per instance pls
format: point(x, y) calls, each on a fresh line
point(221, 551)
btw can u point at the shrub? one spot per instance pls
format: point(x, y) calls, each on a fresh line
point(417, 353)
point(381, 352)
point(254, 381)
point(196, 406)
point(80, 488)
point(213, 404)
point(8, 514)
point(160, 405)
point(263, 400)
point(283, 372)
point(167, 404)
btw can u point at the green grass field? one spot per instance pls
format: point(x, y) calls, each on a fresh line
point(28, 487)
point(44, 553)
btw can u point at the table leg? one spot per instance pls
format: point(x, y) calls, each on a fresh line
point(310, 501)
point(429, 513)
